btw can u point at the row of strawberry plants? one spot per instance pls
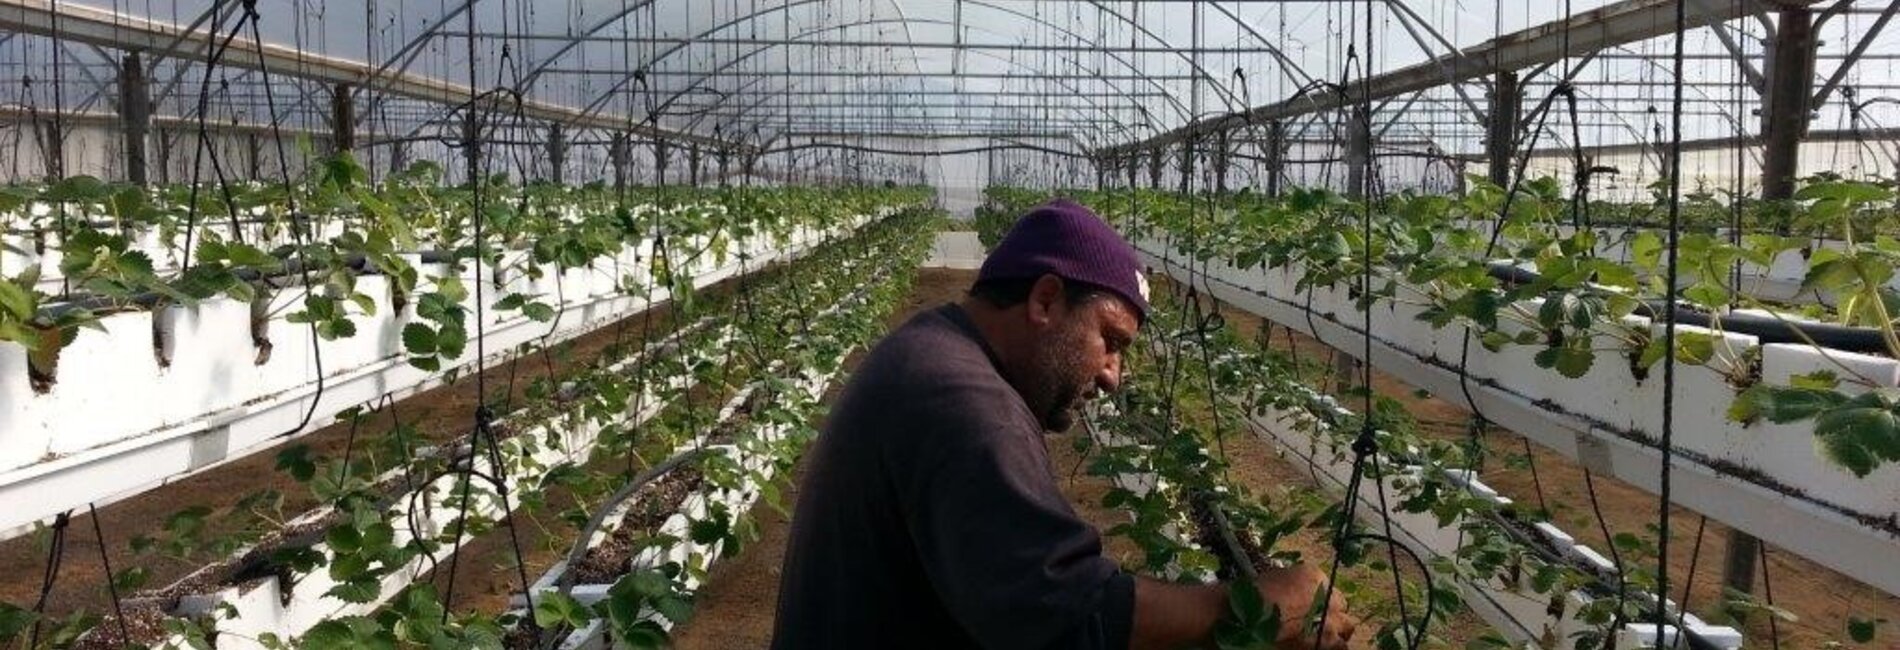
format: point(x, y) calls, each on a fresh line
point(403, 330)
point(636, 573)
point(1201, 386)
point(391, 513)
point(113, 246)
point(1442, 255)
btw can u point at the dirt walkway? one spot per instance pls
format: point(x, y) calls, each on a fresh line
point(735, 606)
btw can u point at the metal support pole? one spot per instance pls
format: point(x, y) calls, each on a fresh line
point(254, 154)
point(135, 112)
point(165, 142)
point(725, 166)
point(1507, 102)
point(1276, 156)
point(660, 154)
point(52, 150)
point(1154, 168)
point(1220, 162)
point(398, 157)
point(472, 144)
point(343, 118)
point(1358, 154)
point(1187, 164)
point(692, 160)
point(620, 155)
point(557, 153)
point(1785, 116)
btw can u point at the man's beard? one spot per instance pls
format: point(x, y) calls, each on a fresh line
point(1057, 379)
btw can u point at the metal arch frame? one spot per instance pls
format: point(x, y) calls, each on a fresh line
point(1719, 104)
point(797, 83)
point(800, 82)
point(541, 67)
point(764, 97)
point(617, 86)
point(1227, 93)
point(405, 56)
point(1136, 25)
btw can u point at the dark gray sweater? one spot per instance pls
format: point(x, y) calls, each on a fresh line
point(929, 516)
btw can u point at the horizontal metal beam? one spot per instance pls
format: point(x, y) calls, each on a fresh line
point(898, 93)
point(873, 74)
point(82, 24)
point(17, 115)
point(896, 45)
point(949, 135)
point(1716, 144)
point(1618, 23)
point(885, 107)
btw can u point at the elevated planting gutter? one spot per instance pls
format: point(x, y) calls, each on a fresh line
point(1764, 479)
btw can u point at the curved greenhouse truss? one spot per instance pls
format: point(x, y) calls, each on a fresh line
point(304, 305)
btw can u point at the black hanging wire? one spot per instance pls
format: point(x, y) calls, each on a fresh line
point(1365, 446)
point(1695, 557)
point(112, 581)
point(1669, 324)
point(484, 418)
point(484, 430)
point(55, 557)
point(1768, 592)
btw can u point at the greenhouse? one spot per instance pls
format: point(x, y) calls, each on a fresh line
point(674, 323)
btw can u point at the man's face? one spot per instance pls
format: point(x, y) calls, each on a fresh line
point(1078, 356)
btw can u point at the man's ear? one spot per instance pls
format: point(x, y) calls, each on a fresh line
point(1045, 300)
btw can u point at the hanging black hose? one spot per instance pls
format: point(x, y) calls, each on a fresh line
point(55, 557)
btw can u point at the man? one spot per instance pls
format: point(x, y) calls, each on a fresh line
point(930, 517)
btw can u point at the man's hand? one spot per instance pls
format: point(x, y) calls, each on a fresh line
point(1294, 590)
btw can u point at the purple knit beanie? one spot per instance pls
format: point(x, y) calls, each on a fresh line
point(1066, 239)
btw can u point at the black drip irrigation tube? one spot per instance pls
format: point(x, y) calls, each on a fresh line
point(1768, 329)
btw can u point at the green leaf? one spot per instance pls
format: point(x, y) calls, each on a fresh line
point(1817, 380)
point(16, 301)
point(1782, 405)
point(1646, 249)
point(419, 339)
point(1707, 295)
point(1862, 630)
point(538, 311)
point(1860, 434)
point(1694, 347)
point(554, 609)
point(297, 462)
point(13, 621)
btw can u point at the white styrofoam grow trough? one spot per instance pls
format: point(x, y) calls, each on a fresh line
point(1516, 610)
point(1604, 421)
point(696, 557)
point(263, 606)
point(117, 423)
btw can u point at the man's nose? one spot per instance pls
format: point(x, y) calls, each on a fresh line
point(1110, 379)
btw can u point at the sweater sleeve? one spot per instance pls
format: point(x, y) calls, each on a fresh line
point(1010, 560)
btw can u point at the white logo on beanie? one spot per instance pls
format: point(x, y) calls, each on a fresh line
point(1141, 283)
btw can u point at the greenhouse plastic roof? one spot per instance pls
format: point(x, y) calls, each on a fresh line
point(1085, 73)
